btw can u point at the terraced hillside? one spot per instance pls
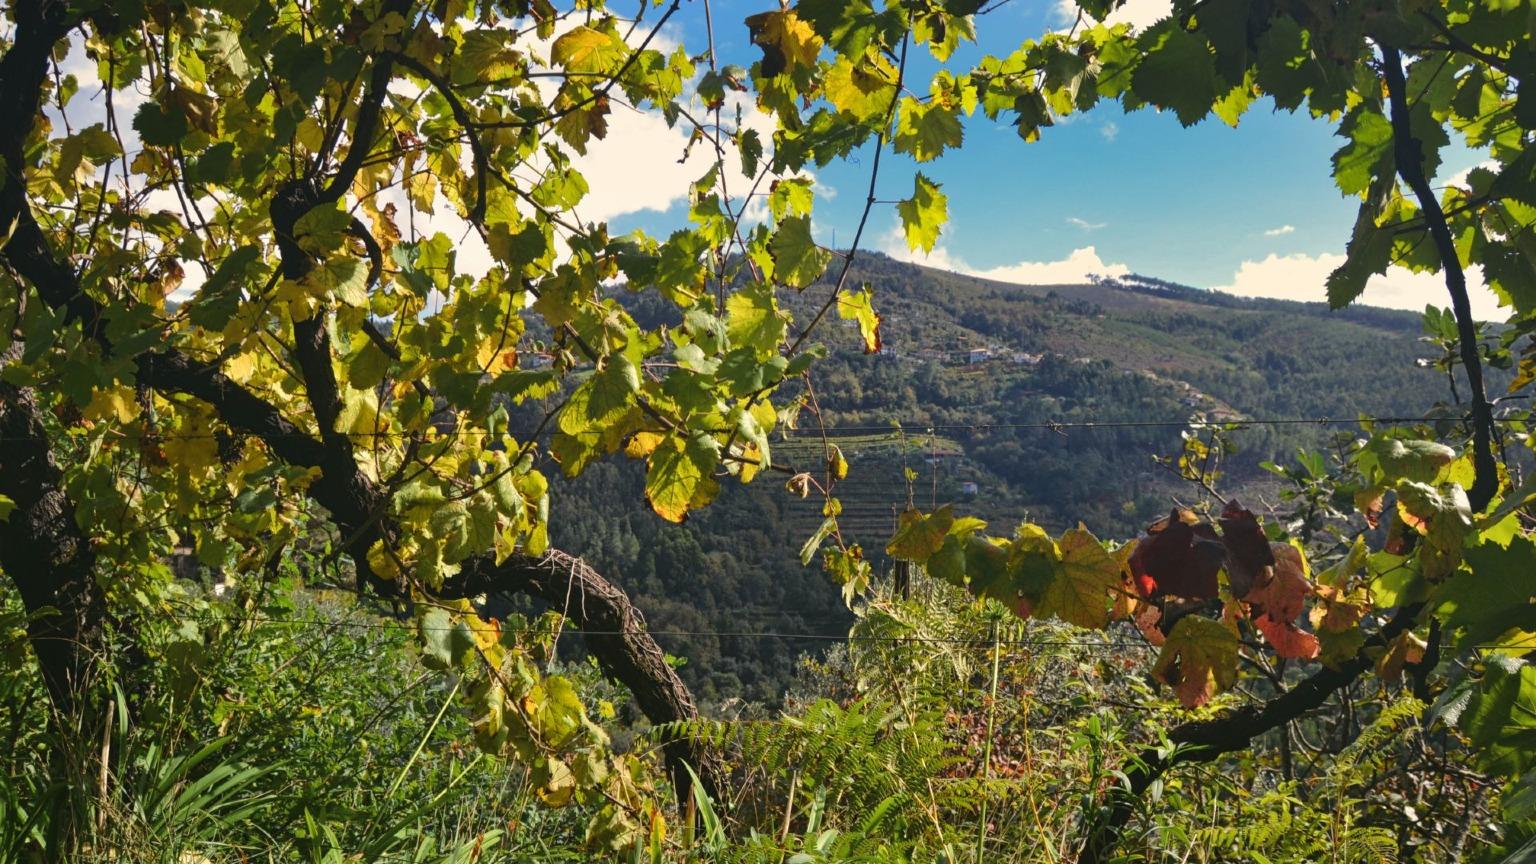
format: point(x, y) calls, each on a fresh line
point(1006, 435)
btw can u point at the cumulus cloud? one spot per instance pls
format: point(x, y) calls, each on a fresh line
point(645, 165)
point(1281, 231)
point(1075, 268)
point(1140, 14)
point(1460, 177)
point(1305, 277)
point(639, 167)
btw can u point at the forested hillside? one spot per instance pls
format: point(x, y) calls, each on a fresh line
point(979, 429)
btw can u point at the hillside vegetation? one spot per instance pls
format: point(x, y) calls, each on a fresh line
point(371, 492)
point(1134, 351)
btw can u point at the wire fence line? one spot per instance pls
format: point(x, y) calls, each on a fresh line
point(980, 642)
point(1104, 645)
point(816, 432)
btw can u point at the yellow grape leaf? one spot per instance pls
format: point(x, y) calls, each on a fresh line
point(860, 306)
point(192, 447)
point(863, 89)
point(113, 403)
point(1198, 660)
point(1126, 597)
point(919, 536)
point(381, 562)
point(1084, 578)
point(837, 464)
point(584, 49)
point(679, 477)
point(786, 40)
point(924, 130)
point(1405, 649)
point(556, 783)
point(642, 444)
point(924, 214)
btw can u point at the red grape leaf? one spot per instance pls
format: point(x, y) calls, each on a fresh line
point(1275, 607)
point(1369, 502)
point(1337, 609)
point(1178, 558)
point(1127, 595)
point(1250, 561)
point(1405, 649)
point(1147, 617)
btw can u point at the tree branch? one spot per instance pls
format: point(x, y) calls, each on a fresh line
point(1205, 740)
point(617, 638)
point(1408, 152)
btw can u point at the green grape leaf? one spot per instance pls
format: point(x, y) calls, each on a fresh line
point(444, 642)
point(924, 130)
point(1177, 73)
point(1367, 155)
point(1499, 716)
point(797, 260)
point(321, 229)
point(1491, 596)
point(792, 195)
point(219, 297)
point(1284, 62)
point(753, 320)
point(847, 25)
point(588, 50)
point(924, 214)
point(603, 397)
point(1369, 252)
point(918, 536)
point(159, 127)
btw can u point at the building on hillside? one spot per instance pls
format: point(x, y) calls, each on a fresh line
point(969, 487)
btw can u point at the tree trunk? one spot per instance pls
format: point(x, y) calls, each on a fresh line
point(45, 556)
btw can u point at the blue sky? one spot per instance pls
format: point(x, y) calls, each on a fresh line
point(1252, 209)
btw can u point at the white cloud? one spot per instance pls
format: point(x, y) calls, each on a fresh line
point(1076, 267)
point(1304, 277)
point(1073, 269)
point(1460, 177)
point(1281, 231)
point(1110, 130)
point(642, 164)
point(1085, 224)
point(1140, 14)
